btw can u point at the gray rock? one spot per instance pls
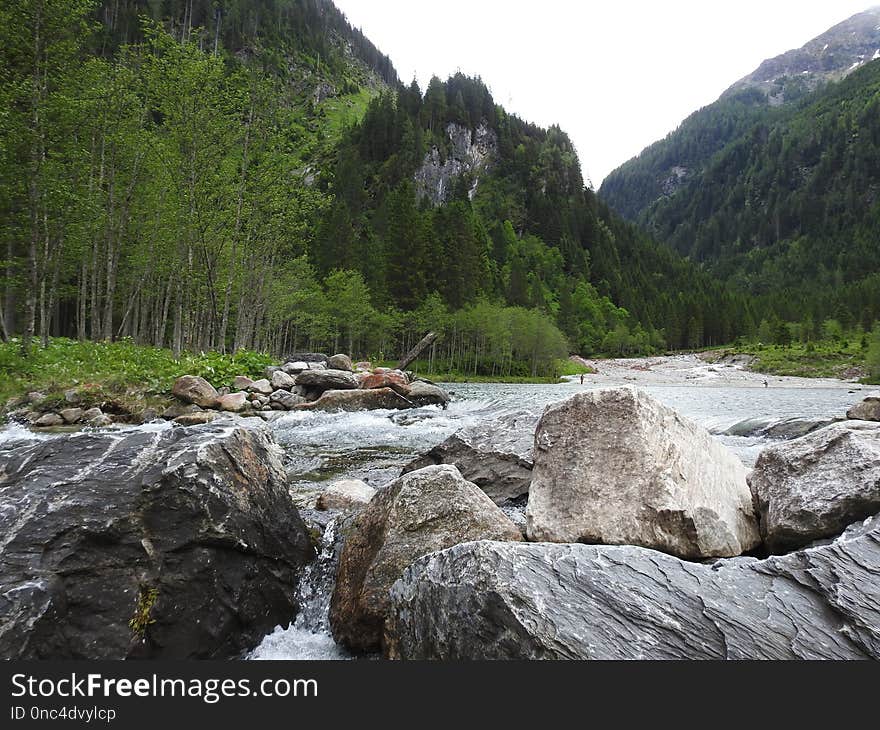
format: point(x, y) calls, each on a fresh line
point(813, 487)
point(262, 387)
point(196, 390)
point(358, 400)
point(323, 380)
point(469, 153)
point(233, 402)
point(286, 399)
point(148, 415)
point(49, 420)
point(282, 381)
point(72, 415)
point(426, 394)
point(169, 414)
point(295, 368)
point(417, 514)
point(618, 467)
point(72, 396)
point(35, 397)
point(242, 382)
point(198, 418)
point(496, 455)
point(867, 410)
point(772, 428)
point(340, 362)
point(345, 494)
point(794, 428)
point(308, 357)
point(101, 421)
point(525, 601)
point(182, 544)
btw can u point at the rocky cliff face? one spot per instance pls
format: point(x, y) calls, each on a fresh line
point(471, 154)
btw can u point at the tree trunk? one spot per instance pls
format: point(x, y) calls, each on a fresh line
point(413, 354)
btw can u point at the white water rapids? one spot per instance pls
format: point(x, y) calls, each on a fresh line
point(374, 446)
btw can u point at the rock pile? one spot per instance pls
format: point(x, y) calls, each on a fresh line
point(653, 492)
point(328, 384)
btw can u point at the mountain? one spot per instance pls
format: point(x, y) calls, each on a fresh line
point(223, 174)
point(661, 169)
point(789, 211)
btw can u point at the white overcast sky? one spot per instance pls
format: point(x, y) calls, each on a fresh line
point(616, 75)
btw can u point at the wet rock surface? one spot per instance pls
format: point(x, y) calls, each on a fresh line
point(488, 600)
point(418, 514)
point(181, 544)
point(496, 454)
point(813, 487)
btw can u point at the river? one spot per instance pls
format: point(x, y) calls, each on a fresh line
point(374, 446)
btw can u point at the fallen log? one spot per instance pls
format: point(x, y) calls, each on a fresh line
point(413, 354)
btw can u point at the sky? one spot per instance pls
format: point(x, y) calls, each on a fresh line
point(616, 75)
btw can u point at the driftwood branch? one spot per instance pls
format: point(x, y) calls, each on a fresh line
point(413, 354)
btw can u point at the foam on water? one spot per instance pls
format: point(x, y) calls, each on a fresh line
point(309, 636)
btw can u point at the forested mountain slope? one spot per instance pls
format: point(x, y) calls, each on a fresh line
point(158, 161)
point(664, 167)
point(225, 175)
point(789, 212)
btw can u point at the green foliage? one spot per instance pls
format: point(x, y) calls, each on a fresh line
point(142, 618)
point(116, 366)
point(872, 356)
point(237, 177)
point(820, 358)
point(786, 209)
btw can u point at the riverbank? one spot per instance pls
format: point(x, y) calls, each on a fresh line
point(564, 369)
point(120, 377)
point(694, 369)
point(840, 360)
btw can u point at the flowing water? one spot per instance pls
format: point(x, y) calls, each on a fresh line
point(374, 446)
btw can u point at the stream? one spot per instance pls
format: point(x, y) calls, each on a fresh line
point(374, 447)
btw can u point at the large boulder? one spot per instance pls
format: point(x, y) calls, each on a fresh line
point(419, 513)
point(618, 467)
point(182, 544)
point(507, 601)
point(395, 380)
point(282, 381)
point(234, 402)
point(427, 394)
point(324, 380)
point(195, 390)
point(339, 362)
point(358, 400)
point(867, 410)
point(496, 454)
point(813, 487)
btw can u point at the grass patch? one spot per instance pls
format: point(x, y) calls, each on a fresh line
point(843, 360)
point(120, 371)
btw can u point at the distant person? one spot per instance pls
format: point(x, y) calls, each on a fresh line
point(582, 378)
point(766, 384)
